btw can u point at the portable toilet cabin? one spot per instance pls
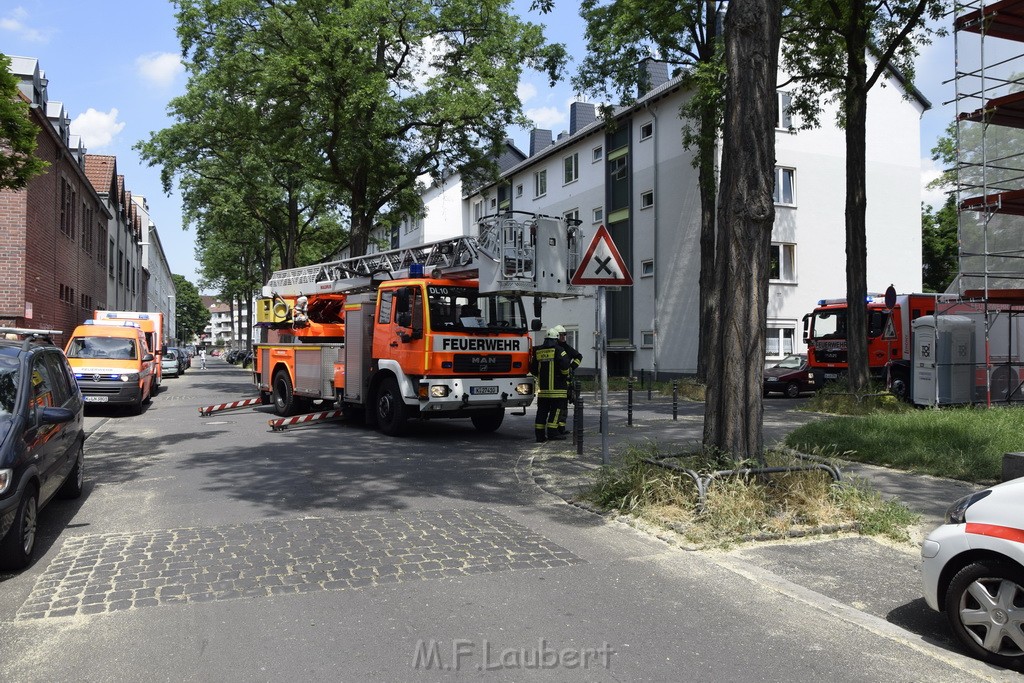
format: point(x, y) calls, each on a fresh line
point(942, 356)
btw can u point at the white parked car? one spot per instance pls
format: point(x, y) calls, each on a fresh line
point(169, 364)
point(973, 570)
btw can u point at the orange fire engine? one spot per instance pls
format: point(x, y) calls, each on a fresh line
point(433, 331)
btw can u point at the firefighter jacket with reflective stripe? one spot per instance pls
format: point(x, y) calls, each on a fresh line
point(551, 366)
point(575, 357)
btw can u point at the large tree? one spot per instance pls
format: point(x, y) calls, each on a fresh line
point(939, 252)
point(733, 407)
point(371, 94)
point(18, 163)
point(621, 35)
point(190, 316)
point(837, 52)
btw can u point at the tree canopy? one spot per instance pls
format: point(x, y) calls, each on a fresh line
point(18, 163)
point(191, 317)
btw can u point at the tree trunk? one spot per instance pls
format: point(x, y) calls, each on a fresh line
point(855, 102)
point(733, 408)
point(708, 198)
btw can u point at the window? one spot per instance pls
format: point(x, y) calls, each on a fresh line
point(478, 210)
point(784, 119)
point(782, 263)
point(571, 165)
point(647, 339)
point(111, 260)
point(572, 217)
point(599, 214)
point(779, 339)
point(785, 183)
point(646, 130)
point(647, 199)
point(598, 154)
point(540, 184)
point(384, 315)
point(519, 190)
point(618, 168)
point(494, 202)
point(647, 268)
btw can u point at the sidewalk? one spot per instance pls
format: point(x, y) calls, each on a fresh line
point(561, 471)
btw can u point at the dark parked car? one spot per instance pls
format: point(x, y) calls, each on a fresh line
point(42, 432)
point(790, 376)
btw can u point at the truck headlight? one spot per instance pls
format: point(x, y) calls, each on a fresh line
point(524, 388)
point(439, 391)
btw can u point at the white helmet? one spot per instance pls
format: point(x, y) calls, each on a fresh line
point(559, 329)
point(552, 333)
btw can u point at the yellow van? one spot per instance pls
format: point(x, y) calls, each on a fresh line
point(112, 363)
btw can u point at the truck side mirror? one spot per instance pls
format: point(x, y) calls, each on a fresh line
point(404, 319)
point(402, 304)
point(535, 325)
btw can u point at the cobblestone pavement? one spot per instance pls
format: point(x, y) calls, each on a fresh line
point(111, 572)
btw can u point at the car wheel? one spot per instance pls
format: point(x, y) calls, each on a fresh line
point(73, 485)
point(17, 546)
point(488, 421)
point(284, 398)
point(390, 408)
point(985, 607)
point(793, 390)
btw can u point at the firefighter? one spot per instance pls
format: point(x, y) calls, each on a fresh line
point(575, 358)
point(551, 366)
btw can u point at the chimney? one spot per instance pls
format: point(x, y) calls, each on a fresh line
point(652, 74)
point(539, 139)
point(581, 115)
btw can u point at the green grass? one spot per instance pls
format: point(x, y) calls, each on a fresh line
point(960, 443)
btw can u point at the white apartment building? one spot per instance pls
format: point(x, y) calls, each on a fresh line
point(638, 180)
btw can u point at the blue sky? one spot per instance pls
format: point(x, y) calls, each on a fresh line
point(114, 64)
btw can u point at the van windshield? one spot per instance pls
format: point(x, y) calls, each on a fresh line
point(117, 348)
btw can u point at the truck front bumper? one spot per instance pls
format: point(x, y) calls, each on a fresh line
point(448, 395)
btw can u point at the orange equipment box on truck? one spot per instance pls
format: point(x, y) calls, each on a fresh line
point(433, 331)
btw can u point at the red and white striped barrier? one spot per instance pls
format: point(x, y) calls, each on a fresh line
point(285, 422)
point(206, 411)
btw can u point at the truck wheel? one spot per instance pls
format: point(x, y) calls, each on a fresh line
point(391, 412)
point(284, 399)
point(489, 420)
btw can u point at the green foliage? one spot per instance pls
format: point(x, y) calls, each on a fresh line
point(191, 317)
point(18, 163)
point(961, 443)
point(366, 96)
point(835, 398)
point(740, 507)
point(939, 246)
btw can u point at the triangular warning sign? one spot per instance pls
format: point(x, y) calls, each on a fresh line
point(602, 264)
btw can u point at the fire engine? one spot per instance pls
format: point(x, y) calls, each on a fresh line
point(437, 330)
point(888, 336)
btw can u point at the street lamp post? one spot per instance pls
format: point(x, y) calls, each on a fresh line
point(172, 319)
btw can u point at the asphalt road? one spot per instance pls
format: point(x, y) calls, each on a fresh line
point(212, 549)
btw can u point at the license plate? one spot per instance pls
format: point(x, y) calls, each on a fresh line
point(95, 399)
point(831, 375)
point(476, 391)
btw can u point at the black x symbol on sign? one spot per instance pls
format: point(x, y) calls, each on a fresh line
point(603, 265)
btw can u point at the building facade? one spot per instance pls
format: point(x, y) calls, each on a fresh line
point(637, 179)
point(72, 241)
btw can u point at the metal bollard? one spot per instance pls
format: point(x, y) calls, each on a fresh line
point(577, 424)
point(629, 402)
point(675, 399)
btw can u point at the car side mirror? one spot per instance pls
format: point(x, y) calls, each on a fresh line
point(55, 415)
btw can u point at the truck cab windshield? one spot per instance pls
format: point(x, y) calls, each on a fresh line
point(466, 309)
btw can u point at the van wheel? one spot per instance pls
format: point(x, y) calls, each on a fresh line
point(391, 413)
point(17, 546)
point(284, 397)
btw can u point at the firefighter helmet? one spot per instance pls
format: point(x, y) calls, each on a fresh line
point(552, 333)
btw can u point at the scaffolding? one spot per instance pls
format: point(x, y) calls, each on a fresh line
point(989, 80)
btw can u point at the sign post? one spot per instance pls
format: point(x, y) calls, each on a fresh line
point(602, 265)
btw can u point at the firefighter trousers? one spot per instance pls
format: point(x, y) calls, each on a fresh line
point(545, 426)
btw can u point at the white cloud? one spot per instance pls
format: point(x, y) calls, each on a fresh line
point(160, 69)
point(96, 127)
point(547, 117)
point(14, 22)
point(931, 197)
point(526, 91)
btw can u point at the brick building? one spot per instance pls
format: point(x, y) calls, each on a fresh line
point(53, 255)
